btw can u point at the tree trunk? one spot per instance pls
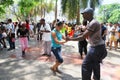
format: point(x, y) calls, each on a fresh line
point(41, 9)
point(56, 10)
point(78, 14)
point(44, 12)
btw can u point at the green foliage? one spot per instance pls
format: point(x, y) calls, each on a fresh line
point(71, 7)
point(94, 3)
point(30, 8)
point(4, 4)
point(110, 13)
point(25, 7)
point(114, 16)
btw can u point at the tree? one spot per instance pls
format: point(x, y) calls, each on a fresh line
point(72, 7)
point(25, 7)
point(115, 16)
point(31, 8)
point(111, 13)
point(42, 7)
point(94, 3)
point(4, 4)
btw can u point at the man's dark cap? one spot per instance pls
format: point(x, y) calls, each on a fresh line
point(88, 10)
point(42, 19)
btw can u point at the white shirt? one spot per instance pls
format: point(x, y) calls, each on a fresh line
point(46, 36)
point(4, 35)
point(116, 34)
point(10, 26)
point(31, 27)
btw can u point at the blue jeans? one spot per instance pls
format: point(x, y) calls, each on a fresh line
point(57, 53)
point(92, 62)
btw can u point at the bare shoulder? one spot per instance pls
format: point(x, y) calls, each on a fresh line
point(53, 33)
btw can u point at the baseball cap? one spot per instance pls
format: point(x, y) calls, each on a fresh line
point(42, 19)
point(87, 10)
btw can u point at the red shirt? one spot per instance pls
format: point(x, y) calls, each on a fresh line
point(72, 33)
point(27, 26)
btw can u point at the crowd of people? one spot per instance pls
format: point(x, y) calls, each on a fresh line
point(9, 30)
point(53, 35)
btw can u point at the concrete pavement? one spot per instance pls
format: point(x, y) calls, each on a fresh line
point(36, 67)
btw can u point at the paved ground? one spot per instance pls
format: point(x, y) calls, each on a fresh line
point(36, 67)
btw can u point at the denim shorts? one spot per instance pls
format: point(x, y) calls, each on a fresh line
point(57, 54)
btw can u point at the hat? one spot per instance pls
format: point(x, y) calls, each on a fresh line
point(42, 19)
point(87, 10)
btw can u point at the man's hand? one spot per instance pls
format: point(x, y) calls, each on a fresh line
point(68, 39)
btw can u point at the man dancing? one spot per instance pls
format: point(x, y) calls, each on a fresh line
point(97, 51)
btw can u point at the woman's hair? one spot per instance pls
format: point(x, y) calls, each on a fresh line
point(59, 23)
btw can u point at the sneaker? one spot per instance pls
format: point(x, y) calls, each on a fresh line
point(58, 71)
point(9, 49)
point(23, 54)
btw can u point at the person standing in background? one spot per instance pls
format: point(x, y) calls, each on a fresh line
point(22, 34)
point(113, 36)
point(82, 45)
point(11, 34)
point(46, 37)
point(109, 25)
point(104, 31)
point(28, 28)
point(118, 41)
point(32, 30)
point(39, 34)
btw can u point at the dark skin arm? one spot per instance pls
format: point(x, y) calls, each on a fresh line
point(105, 33)
point(81, 37)
point(45, 31)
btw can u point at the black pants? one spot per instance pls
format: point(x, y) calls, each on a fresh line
point(11, 40)
point(39, 36)
point(92, 62)
point(28, 35)
point(2, 41)
point(82, 46)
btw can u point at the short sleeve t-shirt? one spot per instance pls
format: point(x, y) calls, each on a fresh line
point(113, 32)
point(10, 26)
point(95, 37)
point(23, 33)
point(118, 29)
point(27, 26)
point(59, 37)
